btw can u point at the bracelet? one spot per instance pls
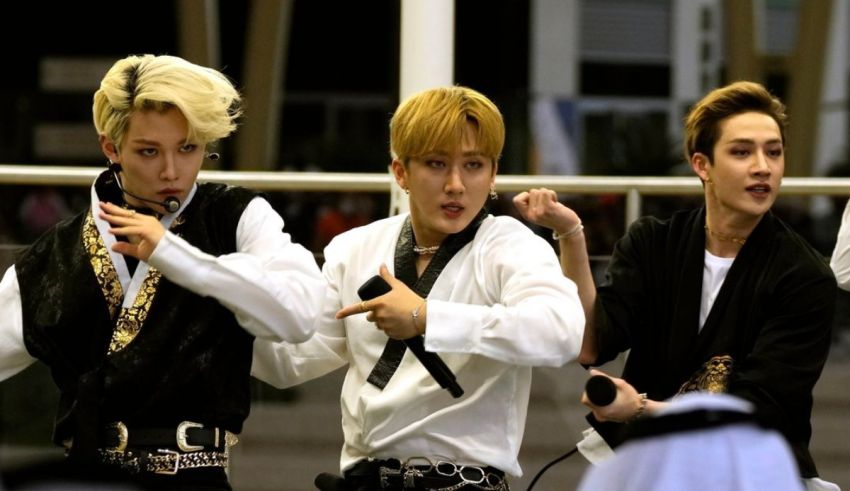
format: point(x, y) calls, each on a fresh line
point(574, 231)
point(415, 315)
point(641, 409)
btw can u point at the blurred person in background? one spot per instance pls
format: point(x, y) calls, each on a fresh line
point(702, 441)
point(348, 211)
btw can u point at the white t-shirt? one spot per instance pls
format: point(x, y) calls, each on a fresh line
point(713, 274)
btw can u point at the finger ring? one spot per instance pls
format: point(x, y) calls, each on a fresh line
point(132, 213)
point(363, 307)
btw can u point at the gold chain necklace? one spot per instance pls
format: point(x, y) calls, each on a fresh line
point(725, 238)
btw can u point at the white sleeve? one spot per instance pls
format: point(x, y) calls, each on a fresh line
point(840, 261)
point(272, 285)
point(14, 356)
point(283, 364)
point(536, 319)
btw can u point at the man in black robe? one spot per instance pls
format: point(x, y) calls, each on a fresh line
point(725, 298)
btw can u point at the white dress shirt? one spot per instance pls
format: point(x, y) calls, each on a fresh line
point(271, 284)
point(840, 261)
point(499, 307)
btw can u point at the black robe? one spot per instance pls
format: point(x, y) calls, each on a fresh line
point(772, 315)
point(189, 361)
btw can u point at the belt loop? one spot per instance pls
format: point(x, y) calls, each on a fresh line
point(176, 467)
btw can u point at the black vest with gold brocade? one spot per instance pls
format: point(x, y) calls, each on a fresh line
point(188, 360)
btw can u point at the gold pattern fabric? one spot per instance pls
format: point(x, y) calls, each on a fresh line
point(102, 265)
point(130, 320)
point(713, 376)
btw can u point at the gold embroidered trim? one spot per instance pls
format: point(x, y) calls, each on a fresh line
point(713, 376)
point(130, 320)
point(102, 265)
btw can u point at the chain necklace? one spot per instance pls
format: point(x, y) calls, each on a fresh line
point(725, 238)
point(425, 251)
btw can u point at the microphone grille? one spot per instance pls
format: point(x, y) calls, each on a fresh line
point(171, 204)
point(600, 390)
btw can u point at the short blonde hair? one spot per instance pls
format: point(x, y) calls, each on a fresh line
point(208, 100)
point(435, 119)
point(702, 124)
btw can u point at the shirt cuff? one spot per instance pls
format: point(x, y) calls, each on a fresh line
point(593, 447)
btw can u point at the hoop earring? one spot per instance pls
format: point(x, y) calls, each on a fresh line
point(493, 194)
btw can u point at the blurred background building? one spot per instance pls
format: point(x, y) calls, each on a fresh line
point(587, 87)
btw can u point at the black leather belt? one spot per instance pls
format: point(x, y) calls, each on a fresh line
point(391, 474)
point(188, 437)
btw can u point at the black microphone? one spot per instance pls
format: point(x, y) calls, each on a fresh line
point(600, 390)
point(377, 286)
point(171, 204)
point(329, 482)
point(213, 156)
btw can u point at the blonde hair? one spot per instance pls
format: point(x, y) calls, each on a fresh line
point(208, 100)
point(436, 119)
point(702, 124)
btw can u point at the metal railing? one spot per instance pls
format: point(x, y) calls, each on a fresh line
point(633, 187)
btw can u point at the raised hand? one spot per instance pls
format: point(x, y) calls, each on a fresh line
point(393, 311)
point(142, 231)
point(541, 207)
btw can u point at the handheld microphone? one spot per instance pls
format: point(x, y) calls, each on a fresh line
point(600, 390)
point(377, 286)
point(170, 204)
point(329, 482)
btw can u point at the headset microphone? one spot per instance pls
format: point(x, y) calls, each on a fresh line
point(170, 204)
point(213, 156)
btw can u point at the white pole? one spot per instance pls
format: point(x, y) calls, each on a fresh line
point(427, 45)
point(427, 58)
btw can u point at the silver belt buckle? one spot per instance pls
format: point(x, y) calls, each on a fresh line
point(123, 436)
point(182, 444)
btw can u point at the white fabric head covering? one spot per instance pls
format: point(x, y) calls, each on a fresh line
point(737, 456)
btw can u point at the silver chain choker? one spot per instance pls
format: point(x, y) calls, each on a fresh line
point(425, 250)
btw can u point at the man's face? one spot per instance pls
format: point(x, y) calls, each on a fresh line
point(157, 160)
point(447, 188)
point(743, 181)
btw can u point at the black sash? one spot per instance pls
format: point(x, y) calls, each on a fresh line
point(405, 271)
